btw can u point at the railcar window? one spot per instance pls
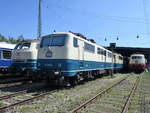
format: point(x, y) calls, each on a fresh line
point(75, 42)
point(104, 52)
point(89, 47)
point(136, 57)
point(6, 54)
point(53, 41)
point(25, 45)
point(120, 58)
point(99, 51)
point(110, 54)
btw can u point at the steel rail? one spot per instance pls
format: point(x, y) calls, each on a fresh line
point(127, 103)
point(27, 100)
point(8, 76)
point(14, 81)
point(99, 94)
point(12, 95)
point(10, 85)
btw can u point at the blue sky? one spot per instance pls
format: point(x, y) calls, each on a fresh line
point(95, 19)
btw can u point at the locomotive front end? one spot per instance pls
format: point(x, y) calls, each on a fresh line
point(52, 56)
point(137, 62)
point(24, 57)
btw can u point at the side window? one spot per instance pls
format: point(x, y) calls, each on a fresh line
point(75, 42)
point(104, 52)
point(6, 54)
point(120, 58)
point(99, 51)
point(89, 47)
point(110, 55)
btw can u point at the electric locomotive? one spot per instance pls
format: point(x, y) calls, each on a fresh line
point(118, 62)
point(24, 58)
point(5, 56)
point(72, 57)
point(137, 62)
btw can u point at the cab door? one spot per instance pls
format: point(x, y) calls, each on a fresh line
point(105, 59)
point(115, 61)
point(80, 53)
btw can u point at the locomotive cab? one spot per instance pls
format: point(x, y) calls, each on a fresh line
point(52, 53)
point(137, 62)
point(24, 56)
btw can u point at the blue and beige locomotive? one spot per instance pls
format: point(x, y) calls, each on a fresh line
point(72, 57)
point(118, 62)
point(5, 56)
point(24, 57)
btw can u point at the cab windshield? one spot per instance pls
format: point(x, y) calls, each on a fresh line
point(54, 40)
point(136, 57)
point(25, 45)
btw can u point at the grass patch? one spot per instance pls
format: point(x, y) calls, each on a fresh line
point(1, 104)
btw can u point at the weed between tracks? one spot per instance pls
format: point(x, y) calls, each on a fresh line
point(1, 104)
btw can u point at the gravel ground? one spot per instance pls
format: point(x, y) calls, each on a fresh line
point(67, 99)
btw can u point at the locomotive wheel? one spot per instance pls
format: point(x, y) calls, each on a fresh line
point(34, 79)
point(57, 82)
point(73, 80)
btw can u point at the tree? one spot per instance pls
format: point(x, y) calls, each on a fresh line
point(20, 38)
point(15, 41)
point(11, 39)
point(3, 38)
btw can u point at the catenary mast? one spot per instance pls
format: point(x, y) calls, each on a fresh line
point(39, 21)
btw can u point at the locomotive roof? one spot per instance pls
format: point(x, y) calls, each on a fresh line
point(7, 45)
point(137, 54)
point(68, 33)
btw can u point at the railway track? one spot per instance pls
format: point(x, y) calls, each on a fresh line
point(141, 101)
point(21, 97)
point(5, 76)
point(12, 80)
point(12, 95)
point(2, 86)
point(114, 99)
point(24, 101)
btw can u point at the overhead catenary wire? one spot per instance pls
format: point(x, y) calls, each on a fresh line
point(95, 15)
point(146, 17)
point(90, 14)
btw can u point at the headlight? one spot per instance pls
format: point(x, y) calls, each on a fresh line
point(48, 54)
point(56, 72)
